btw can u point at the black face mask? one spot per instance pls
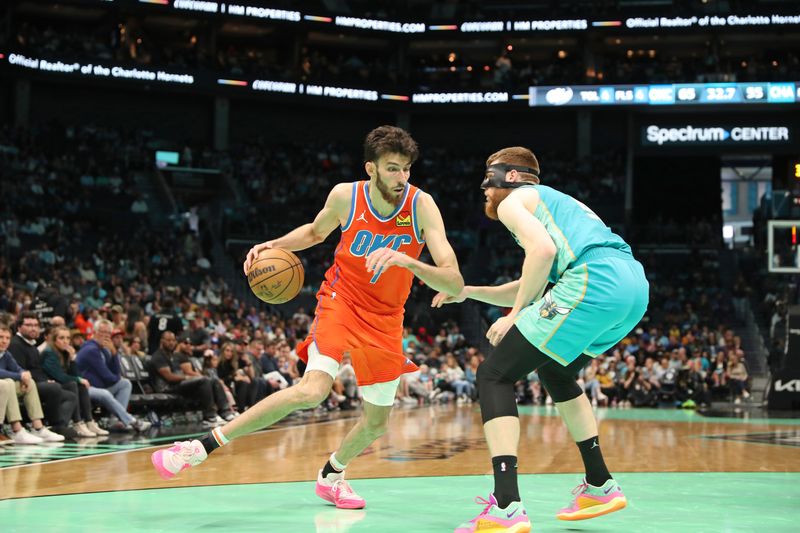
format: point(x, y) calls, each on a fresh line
point(496, 176)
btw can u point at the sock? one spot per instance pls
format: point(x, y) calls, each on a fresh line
point(332, 466)
point(506, 489)
point(213, 440)
point(596, 471)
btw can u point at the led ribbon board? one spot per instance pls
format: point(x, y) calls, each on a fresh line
point(669, 94)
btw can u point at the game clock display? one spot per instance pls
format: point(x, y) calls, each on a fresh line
point(666, 94)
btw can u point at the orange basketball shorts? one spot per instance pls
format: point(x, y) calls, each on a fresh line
point(374, 341)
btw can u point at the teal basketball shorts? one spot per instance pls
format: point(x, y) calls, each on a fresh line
point(593, 306)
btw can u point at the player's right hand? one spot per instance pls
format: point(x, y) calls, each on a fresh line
point(253, 254)
point(443, 298)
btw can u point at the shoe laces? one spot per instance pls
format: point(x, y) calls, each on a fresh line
point(580, 489)
point(185, 451)
point(487, 505)
point(342, 488)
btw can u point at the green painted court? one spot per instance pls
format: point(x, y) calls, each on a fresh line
point(682, 471)
point(735, 502)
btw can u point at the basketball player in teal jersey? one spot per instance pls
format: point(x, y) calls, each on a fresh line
point(599, 294)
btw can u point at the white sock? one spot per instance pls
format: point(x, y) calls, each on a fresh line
point(221, 439)
point(336, 464)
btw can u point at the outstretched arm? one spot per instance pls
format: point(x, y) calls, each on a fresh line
point(502, 295)
point(444, 274)
point(336, 210)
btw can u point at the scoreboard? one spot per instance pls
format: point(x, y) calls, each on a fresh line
point(666, 94)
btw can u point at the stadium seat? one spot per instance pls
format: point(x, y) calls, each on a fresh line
point(135, 370)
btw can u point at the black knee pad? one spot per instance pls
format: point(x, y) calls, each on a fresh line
point(559, 382)
point(496, 392)
point(512, 359)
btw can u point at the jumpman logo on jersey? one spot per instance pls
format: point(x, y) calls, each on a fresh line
point(362, 217)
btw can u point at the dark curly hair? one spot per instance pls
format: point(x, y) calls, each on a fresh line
point(389, 139)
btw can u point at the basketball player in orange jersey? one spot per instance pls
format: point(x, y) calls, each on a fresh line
point(385, 224)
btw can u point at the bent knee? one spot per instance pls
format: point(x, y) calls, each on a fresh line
point(486, 373)
point(101, 394)
point(311, 394)
point(377, 427)
point(376, 420)
point(561, 386)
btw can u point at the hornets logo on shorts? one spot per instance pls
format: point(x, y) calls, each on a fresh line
point(549, 309)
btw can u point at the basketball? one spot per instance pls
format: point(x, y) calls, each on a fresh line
point(276, 276)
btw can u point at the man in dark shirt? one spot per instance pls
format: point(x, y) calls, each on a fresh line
point(192, 367)
point(198, 336)
point(57, 402)
point(266, 358)
point(165, 320)
point(170, 378)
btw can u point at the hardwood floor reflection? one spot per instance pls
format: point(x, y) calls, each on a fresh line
point(436, 441)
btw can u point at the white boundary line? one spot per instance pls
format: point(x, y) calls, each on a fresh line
point(96, 455)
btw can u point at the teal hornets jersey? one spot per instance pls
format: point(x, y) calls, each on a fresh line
point(573, 227)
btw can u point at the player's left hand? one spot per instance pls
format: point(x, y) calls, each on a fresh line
point(386, 257)
point(499, 329)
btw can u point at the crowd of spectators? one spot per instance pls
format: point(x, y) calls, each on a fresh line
point(91, 293)
point(288, 177)
point(689, 367)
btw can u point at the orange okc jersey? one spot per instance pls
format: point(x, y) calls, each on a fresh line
point(360, 312)
point(386, 291)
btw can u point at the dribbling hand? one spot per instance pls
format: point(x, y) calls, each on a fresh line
point(443, 298)
point(253, 254)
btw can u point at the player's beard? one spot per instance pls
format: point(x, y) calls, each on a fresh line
point(493, 201)
point(389, 195)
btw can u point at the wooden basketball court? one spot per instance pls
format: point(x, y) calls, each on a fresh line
point(681, 471)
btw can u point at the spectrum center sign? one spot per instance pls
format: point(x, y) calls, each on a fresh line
point(655, 135)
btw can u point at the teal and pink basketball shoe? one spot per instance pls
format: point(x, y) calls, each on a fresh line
point(591, 501)
point(493, 519)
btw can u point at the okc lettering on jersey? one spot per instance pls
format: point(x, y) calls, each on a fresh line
point(365, 242)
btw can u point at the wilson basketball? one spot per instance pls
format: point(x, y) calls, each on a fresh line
point(276, 276)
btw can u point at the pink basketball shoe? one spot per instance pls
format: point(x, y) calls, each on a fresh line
point(591, 501)
point(181, 456)
point(493, 519)
point(336, 490)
